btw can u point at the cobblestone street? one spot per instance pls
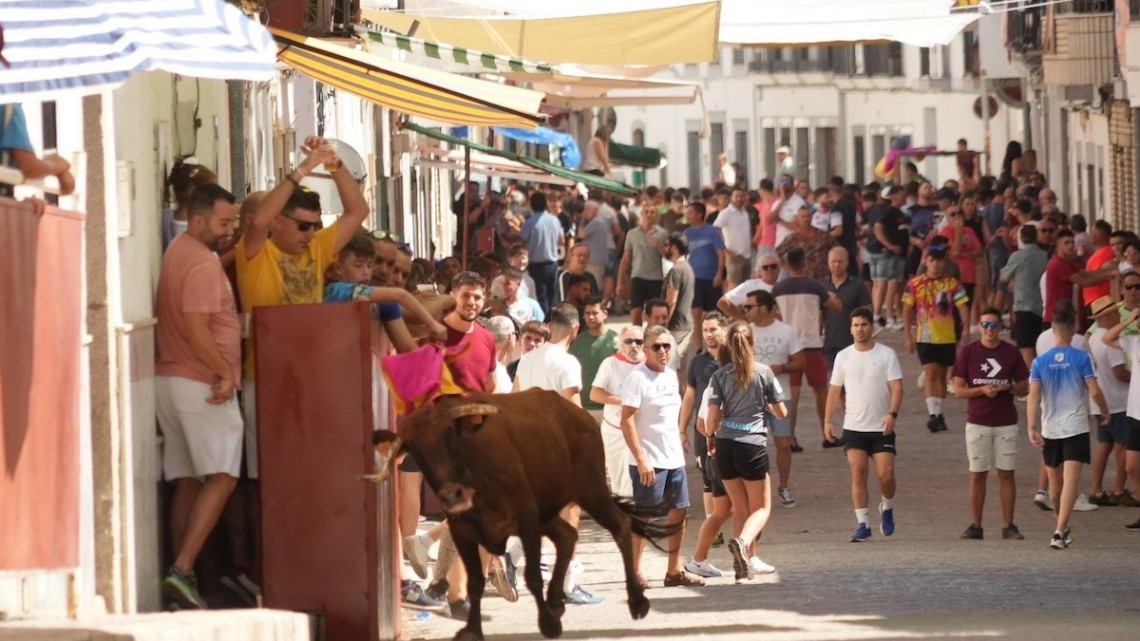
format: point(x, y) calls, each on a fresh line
point(923, 582)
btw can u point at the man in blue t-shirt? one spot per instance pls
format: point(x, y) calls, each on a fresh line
point(16, 152)
point(1060, 383)
point(542, 233)
point(706, 257)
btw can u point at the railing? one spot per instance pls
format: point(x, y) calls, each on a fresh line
point(766, 62)
point(1025, 30)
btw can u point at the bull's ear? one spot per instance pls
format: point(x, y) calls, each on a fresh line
point(471, 415)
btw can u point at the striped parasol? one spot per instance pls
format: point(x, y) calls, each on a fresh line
point(56, 47)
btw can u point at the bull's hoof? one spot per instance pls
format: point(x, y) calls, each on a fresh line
point(556, 607)
point(549, 625)
point(638, 607)
point(468, 635)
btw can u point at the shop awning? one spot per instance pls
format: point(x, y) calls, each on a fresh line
point(571, 88)
point(634, 156)
point(779, 23)
point(411, 89)
point(486, 165)
point(590, 180)
point(662, 35)
point(479, 60)
point(84, 47)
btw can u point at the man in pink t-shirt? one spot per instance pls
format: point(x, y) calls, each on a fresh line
point(765, 238)
point(197, 372)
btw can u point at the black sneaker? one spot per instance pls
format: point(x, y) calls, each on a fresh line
point(932, 424)
point(796, 447)
point(973, 532)
point(438, 590)
point(1134, 526)
point(942, 427)
point(827, 445)
point(459, 610)
point(1011, 533)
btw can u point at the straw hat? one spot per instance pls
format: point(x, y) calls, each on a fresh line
point(1101, 306)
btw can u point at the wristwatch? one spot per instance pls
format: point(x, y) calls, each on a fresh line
point(893, 414)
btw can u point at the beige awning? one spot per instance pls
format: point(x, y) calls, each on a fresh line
point(411, 89)
point(684, 34)
point(572, 89)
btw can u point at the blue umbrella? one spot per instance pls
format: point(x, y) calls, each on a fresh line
point(88, 46)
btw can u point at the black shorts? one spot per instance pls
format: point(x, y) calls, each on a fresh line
point(870, 442)
point(1133, 435)
point(705, 296)
point(736, 460)
point(1027, 326)
point(641, 291)
point(1073, 448)
point(936, 354)
point(409, 464)
point(710, 477)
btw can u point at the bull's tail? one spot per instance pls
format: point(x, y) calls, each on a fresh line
point(647, 521)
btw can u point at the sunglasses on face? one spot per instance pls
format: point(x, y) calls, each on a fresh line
point(661, 347)
point(381, 234)
point(990, 324)
point(748, 307)
point(1132, 288)
point(634, 341)
point(304, 225)
point(769, 267)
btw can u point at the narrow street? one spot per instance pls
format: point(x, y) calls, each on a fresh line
point(923, 582)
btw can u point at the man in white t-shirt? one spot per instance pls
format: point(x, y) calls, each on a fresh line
point(776, 345)
point(871, 374)
point(650, 413)
point(787, 204)
point(607, 391)
point(552, 367)
point(767, 273)
point(1130, 344)
point(503, 329)
point(1113, 377)
point(736, 226)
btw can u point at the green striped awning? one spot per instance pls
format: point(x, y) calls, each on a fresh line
point(441, 51)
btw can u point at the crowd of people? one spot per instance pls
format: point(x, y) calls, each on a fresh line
point(735, 298)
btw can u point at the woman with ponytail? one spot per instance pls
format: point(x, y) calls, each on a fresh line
point(742, 395)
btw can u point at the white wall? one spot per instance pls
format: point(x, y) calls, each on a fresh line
point(1088, 145)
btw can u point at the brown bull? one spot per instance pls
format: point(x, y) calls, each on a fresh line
point(506, 465)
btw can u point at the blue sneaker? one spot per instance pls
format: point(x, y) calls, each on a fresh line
point(887, 524)
point(415, 597)
point(863, 533)
point(582, 597)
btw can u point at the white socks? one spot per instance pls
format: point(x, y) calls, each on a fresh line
point(886, 503)
point(934, 406)
point(861, 515)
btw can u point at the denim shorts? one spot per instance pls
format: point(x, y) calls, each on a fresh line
point(670, 490)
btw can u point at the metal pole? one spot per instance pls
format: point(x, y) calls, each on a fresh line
point(466, 203)
point(985, 120)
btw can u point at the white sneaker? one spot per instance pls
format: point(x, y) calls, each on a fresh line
point(1083, 504)
point(702, 568)
point(756, 567)
point(1042, 500)
point(417, 547)
point(786, 498)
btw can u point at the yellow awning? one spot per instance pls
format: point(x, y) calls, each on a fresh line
point(411, 89)
point(667, 35)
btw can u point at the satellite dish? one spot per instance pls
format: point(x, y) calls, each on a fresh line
point(321, 181)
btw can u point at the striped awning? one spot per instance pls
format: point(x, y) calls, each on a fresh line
point(440, 51)
point(57, 47)
point(411, 89)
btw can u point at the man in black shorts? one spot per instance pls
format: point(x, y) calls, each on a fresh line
point(1024, 271)
point(716, 504)
point(871, 408)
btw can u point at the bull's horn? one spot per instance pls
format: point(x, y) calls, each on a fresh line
point(384, 469)
point(472, 409)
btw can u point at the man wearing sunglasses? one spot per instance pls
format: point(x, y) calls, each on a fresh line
point(606, 389)
point(290, 267)
point(767, 273)
point(989, 373)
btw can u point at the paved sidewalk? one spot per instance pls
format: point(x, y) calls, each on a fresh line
point(923, 582)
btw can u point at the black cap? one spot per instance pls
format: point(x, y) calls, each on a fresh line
point(946, 194)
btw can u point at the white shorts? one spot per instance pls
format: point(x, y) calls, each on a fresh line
point(990, 447)
point(249, 413)
point(199, 438)
point(617, 460)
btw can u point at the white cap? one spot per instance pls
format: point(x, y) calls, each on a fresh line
point(786, 150)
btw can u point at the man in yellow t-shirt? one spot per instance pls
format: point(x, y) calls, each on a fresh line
point(289, 267)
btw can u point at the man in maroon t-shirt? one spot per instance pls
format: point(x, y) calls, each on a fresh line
point(1064, 271)
point(989, 373)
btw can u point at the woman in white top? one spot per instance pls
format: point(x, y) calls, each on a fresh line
point(597, 160)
